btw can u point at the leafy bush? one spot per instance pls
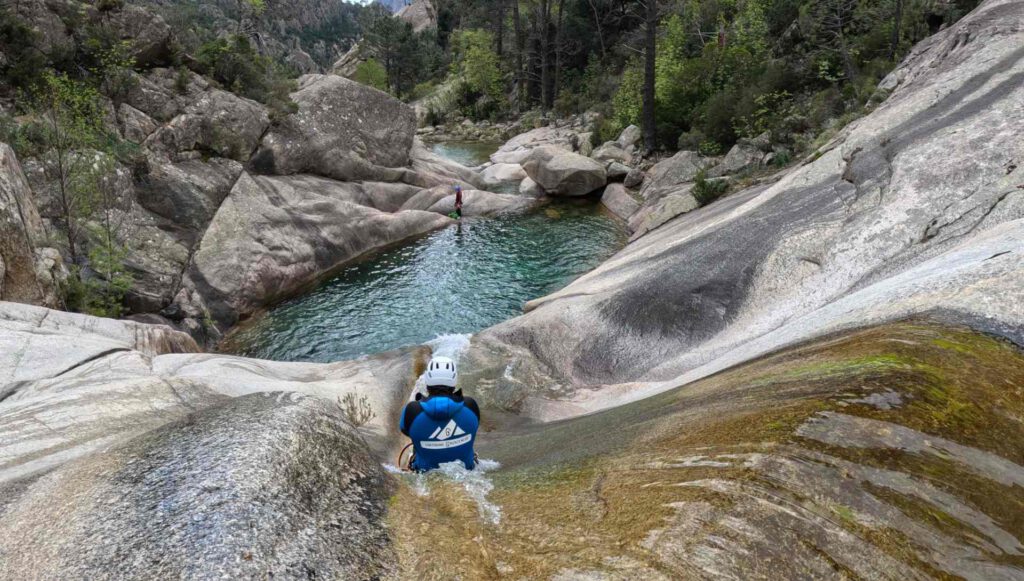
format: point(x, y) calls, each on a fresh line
point(707, 191)
point(690, 140)
point(236, 65)
point(372, 74)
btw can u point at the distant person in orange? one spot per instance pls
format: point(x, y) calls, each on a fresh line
point(458, 201)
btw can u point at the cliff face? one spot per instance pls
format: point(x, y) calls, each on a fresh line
point(309, 35)
point(915, 207)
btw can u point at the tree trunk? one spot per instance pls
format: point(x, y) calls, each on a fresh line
point(650, 47)
point(499, 30)
point(558, 53)
point(519, 53)
point(597, 26)
point(897, 23)
point(545, 54)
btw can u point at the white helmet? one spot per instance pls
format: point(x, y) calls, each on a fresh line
point(441, 371)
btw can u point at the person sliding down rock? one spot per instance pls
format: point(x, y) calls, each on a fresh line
point(443, 425)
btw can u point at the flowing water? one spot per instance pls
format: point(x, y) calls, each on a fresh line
point(457, 280)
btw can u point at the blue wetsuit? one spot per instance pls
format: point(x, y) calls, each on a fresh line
point(442, 429)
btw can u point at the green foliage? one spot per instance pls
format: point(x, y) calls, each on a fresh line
point(707, 191)
point(78, 156)
point(23, 61)
point(372, 74)
point(409, 57)
point(114, 68)
point(770, 111)
point(479, 91)
point(476, 62)
point(628, 102)
point(236, 65)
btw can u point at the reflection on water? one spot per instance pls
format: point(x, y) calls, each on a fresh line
point(457, 280)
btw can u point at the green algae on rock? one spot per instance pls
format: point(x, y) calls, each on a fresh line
point(786, 467)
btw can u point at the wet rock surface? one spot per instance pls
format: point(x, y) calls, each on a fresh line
point(868, 229)
point(772, 470)
point(266, 485)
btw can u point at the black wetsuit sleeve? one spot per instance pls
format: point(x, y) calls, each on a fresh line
point(473, 407)
point(412, 410)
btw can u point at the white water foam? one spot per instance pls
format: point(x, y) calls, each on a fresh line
point(451, 345)
point(476, 484)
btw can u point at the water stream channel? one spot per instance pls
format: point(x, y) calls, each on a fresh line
point(457, 280)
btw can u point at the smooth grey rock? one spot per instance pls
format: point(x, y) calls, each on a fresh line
point(517, 149)
point(528, 187)
point(871, 229)
point(617, 171)
point(260, 485)
point(671, 174)
point(72, 385)
point(653, 214)
point(563, 173)
point(484, 204)
point(634, 178)
point(617, 199)
point(21, 234)
point(343, 130)
point(430, 170)
point(630, 136)
point(612, 152)
point(272, 236)
point(740, 158)
point(503, 172)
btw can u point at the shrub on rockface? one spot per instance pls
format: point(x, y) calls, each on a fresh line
point(235, 64)
point(372, 74)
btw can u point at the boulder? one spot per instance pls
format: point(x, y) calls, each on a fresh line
point(621, 203)
point(343, 130)
point(653, 214)
point(187, 193)
point(151, 37)
point(634, 178)
point(135, 125)
point(528, 187)
point(669, 175)
point(503, 172)
point(629, 137)
point(517, 149)
point(586, 146)
point(272, 236)
point(617, 172)
point(563, 173)
point(22, 278)
point(483, 204)
point(742, 157)
point(164, 93)
point(217, 121)
point(612, 152)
